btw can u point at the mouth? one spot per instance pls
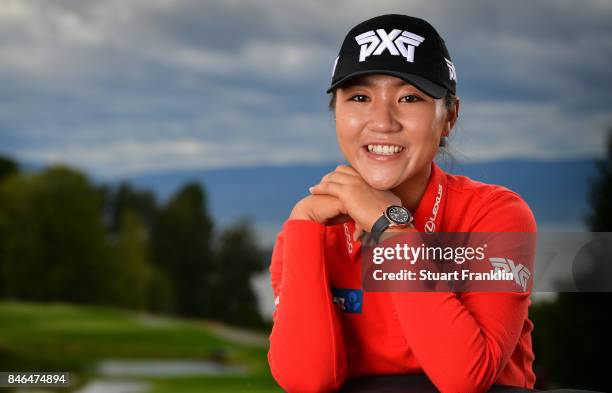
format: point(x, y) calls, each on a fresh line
point(383, 151)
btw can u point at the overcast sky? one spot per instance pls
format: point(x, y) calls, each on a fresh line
point(124, 87)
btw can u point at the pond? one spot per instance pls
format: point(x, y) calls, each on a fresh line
point(165, 368)
point(125, 376)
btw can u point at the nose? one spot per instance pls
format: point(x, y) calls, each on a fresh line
point(383, 118)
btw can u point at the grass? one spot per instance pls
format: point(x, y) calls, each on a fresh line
point(48, 337)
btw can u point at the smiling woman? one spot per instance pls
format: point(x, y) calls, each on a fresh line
point(393, 96)
point(371, 112)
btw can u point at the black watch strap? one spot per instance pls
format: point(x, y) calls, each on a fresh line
point(381, 224)
point(379, 227)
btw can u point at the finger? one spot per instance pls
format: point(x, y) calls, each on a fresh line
point(340, 206)
point(328, 187)
point(349, 170)
point(332, 203)
point(339, 177)
point(337, 206)
point(341, 169)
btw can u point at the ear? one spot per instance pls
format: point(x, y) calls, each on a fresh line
point(451, 118)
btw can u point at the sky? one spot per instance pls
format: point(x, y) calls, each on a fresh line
point(119, 88)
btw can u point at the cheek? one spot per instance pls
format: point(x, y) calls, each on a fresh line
point(427, 131)
point(424, 133)
point(348, 128)
point(423, 139)
point(428, 137)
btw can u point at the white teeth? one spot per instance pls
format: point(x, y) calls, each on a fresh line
point(385, 149)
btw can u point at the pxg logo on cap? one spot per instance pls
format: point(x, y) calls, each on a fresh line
point(375, 42)
point(398, 45)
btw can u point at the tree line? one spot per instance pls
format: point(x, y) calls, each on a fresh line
point(63, 238)
point(571, 336)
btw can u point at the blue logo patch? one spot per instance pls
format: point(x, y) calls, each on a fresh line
point(349, 300)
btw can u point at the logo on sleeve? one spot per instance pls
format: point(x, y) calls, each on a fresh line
point(348, 300)
point(519, 272)
point(430, 225)
point(396, 42)
point(349, 239)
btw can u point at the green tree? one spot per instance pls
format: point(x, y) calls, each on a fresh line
point(54, 245)
point(572, 339)
point(125, 197)
point(132, 255)
point(140, 284)
point(237, 259)
point(182, 248)
point(600, 196)
point(7, 167)
point(129, 216)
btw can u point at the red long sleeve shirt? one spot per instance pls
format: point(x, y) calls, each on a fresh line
point(464, 342)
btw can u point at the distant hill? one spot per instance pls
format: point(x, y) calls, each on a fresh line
point(555, 190)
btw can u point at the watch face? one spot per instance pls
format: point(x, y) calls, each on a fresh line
point(398, 214)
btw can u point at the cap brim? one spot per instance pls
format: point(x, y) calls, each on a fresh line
point(430, 88)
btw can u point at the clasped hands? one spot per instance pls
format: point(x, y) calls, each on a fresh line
point(341, 195)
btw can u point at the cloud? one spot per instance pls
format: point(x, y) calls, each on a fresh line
point(122, 87)
point(489, 130)
point(221, 143)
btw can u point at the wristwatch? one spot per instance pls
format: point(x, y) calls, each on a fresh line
point(394, 216)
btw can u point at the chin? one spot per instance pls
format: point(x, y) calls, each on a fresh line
point(383, 175)
point(382, 181)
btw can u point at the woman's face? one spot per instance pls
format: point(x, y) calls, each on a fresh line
point(387, 129)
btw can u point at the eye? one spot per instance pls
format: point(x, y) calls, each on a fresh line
point(359, 98)
point(411, 98)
